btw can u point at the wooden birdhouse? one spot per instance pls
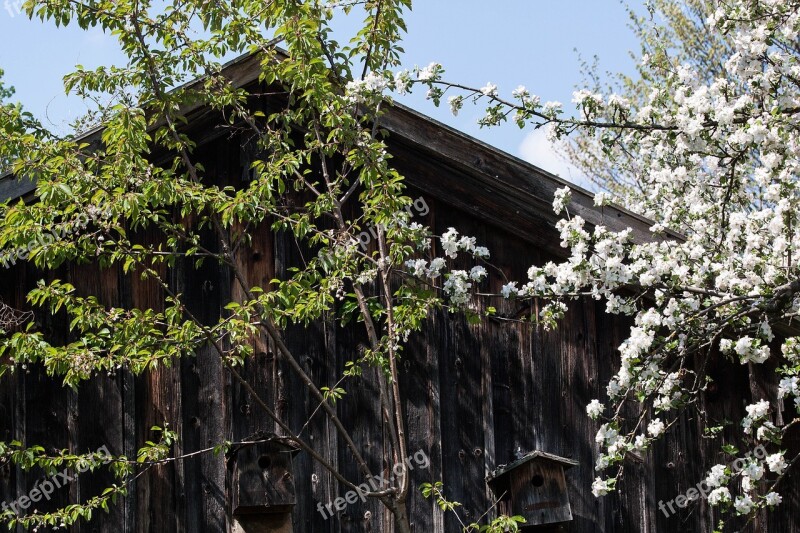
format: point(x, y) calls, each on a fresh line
point(261, 479)
point(534, 487)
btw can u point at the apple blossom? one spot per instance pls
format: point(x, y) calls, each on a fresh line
point(776, 463)
point(655, 427)
point(772, 499)
point(743, 504)
point(594, 409)
point(719, 495)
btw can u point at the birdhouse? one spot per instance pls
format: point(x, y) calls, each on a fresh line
point(535, 488)
point(261, 479)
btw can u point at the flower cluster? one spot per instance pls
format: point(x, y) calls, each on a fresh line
point(757, 417)
point(790, 387)
point(601, 487)
point(458, 283)
point(748, 349)
point(561, 199)
point(367, 89)
point(751, 470)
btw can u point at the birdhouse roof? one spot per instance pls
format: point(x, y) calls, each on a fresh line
point(535, 455)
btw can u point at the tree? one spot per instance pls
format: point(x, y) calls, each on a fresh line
point(714, 152)
point(97, 199)
point(321, 154)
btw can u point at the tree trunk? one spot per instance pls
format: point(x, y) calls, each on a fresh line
point(400, 511)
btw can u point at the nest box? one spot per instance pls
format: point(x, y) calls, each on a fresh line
point(534, 487)
point(261, 479)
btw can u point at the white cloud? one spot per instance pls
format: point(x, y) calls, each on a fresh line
point(538, 150)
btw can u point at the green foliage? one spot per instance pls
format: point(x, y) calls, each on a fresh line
point(320, 172)
point(65, 465)
point(436, 491)
point(12, 120)
point(5, 92)
point(501, 524)
point(157, 451)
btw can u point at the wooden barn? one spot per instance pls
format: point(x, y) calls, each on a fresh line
point(491, 408)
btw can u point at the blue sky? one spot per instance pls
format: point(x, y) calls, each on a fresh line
point(507, 42)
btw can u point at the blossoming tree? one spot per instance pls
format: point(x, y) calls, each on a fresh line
point(715, 158)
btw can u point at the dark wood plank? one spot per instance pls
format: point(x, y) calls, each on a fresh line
point(94, 429)
point(12, 187)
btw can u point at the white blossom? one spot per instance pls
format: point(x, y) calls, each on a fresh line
point(429, 73)
point(437, 264)
point(367, 276)
point(789, 386)
point(594, 409)
point(600, 487)
point(456, 103)
point(477, 273)
point(457, 287)
point(402, 81)
point(509, 289)
point(719, 495)
point(758, 409)
point(754, 471)
point(450, 242)
point(562, 197)
point(418, 267)
point(602, 198)
point(773, 498)
point(718, 476)
point(776, 463)
point(605, 433)
point(715, 161)
point(552, 108)
point(743, 504)
point(655, 427)
point(489, 89)
point(640, 443)
point(466, 244)
point(481, 252)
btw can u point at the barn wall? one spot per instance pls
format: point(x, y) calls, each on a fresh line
point(474, 394)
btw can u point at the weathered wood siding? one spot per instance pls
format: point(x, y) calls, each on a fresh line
point(474, 394)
